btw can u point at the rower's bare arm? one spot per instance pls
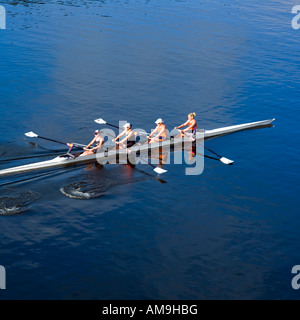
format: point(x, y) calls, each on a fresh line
point(128, 137)
point(182, 125)
point(153, 132)
point(119, 136)
point(101, 142)
point(125, 139)
point(91, 143)
point(190, 127)
point(98, 146)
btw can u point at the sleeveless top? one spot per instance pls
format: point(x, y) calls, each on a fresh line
point(194, 129)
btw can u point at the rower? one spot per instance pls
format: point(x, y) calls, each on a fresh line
point(98, 141)
point(161, 131)
point(129, 137)
point(191, 125)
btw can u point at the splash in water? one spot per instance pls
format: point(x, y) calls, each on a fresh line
point(84, 190)
point(18, 204)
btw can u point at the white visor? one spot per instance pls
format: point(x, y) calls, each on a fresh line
point(127, 125)
point(160, 120)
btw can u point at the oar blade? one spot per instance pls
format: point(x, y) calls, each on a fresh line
point(100, 121)
point(31, 134)
point(226, 161)
point(160, 170)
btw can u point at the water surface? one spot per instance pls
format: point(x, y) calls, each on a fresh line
point(117, 232)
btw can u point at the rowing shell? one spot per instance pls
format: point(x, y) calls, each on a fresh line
point(104, 157)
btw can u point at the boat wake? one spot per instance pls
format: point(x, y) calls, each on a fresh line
point(18, 204)
point(90, 190)
point(83, 190)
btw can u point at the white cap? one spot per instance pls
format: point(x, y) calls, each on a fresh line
point(160, 120)
point(127, 125)
point(97, 131)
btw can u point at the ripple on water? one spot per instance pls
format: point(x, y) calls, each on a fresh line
point(84, 190)
point(11, 205)
point(96, 187)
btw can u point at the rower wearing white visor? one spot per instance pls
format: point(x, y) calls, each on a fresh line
point(129, 137)
point(97, 141)
point(161, 131)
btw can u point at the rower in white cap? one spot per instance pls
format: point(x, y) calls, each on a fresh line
point(161, 131)
point(129, 137)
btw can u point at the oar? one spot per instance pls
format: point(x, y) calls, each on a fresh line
point(26, 157)
point(156, 169)
point(150, 175)
point(205, 156)
point(222, 159)
point(34, 135)
point(101, 121)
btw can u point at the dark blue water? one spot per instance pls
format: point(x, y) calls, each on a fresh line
point(230, 233)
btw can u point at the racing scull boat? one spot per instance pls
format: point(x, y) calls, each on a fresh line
point(105, 156)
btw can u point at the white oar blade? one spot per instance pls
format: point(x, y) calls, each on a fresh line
point(31, 134)
point(100, 121)
point(226, 161)
point(160, 170)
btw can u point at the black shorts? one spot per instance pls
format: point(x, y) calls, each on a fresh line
point(130, 143)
